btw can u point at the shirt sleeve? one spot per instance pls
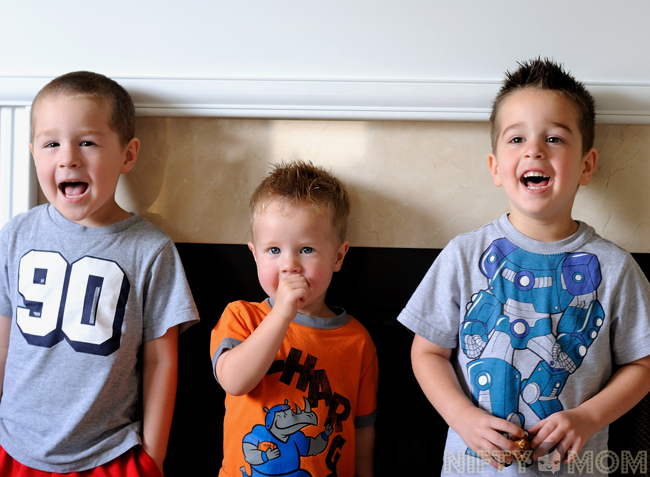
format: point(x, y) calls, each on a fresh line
point(631, 315)
point(5, 298)
point(168, 299)
point(234, 326)
point(366, 412)
point(433, 310)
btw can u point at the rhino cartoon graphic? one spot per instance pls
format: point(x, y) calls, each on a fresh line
point(275, 448)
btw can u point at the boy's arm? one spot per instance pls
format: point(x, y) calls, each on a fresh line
point(240, 369)
point(480, 430)
point(574, 427)
point(160, 373)
point(365, 445)
point(5, 329)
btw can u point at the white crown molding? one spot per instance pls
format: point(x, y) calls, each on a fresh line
point(333, 99)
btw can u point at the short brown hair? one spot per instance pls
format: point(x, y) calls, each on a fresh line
point(301, 182)
point(99, 87)
point(545, 74)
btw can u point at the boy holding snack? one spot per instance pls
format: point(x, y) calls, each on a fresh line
point(519, 323)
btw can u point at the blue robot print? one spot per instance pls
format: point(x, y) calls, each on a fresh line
point(544, 304)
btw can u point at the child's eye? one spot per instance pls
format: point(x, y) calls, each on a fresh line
point(51, 144)
point(86, 143)
point(306, 250)
point(517, 140)
point(274, 250)
point(553, 140)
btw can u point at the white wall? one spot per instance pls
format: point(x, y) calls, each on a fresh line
point(413, 59)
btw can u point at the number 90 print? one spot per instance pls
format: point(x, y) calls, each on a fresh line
point(83, 302)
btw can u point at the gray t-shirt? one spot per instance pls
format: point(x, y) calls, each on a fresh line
point(535, 327)
point(82, 301)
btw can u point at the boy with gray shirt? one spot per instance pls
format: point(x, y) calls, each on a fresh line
point(518, 324)
point(92, 298)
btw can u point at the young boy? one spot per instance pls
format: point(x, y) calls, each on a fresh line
point(517, 323)
point(95, 295)
point(300, 377)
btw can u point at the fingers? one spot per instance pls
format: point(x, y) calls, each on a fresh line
point(293, 280)
point(497, 451)
point(292, 292)
point(510, 428)
point(487, 438)
point(563, 429)
point(295, 287)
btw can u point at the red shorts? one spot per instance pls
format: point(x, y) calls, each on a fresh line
point(133, 463)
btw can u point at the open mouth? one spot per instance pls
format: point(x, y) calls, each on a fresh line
point(73, 189)
point(535, 180)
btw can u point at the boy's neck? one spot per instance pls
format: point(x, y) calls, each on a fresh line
point(544, 231)
point(111, 217)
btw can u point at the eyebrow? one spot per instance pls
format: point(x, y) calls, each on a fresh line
point(558, 125)
point(50, 132)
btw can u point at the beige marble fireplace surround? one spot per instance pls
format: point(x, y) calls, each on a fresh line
point(413, 183)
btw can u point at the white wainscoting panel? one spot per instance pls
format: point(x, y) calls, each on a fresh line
point(18, 184)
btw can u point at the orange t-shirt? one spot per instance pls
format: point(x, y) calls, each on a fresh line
point(325, 370)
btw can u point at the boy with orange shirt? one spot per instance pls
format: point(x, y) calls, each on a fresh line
point(300, 377)
point(518, 324)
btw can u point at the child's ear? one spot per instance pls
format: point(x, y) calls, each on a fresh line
point(493, 165)
point(589, 167)
point(31, 148)
point(130, 155)
point(251, 247)
point(340, 255)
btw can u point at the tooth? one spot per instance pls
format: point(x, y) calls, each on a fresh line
point(534, 174)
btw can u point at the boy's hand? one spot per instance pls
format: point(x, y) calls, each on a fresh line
point(292, 293)
point(483, 433)
point(572, 429)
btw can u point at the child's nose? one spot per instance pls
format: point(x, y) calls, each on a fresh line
point(535, 149)
point(290, 264)
point(68, 157)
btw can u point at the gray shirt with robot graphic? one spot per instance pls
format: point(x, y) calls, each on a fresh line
point(535, 327)
point(82, 302)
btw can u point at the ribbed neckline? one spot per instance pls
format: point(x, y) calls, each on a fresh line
point(569, 244)
point(73, 228)
point(338, 321)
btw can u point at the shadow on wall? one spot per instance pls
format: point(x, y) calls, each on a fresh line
point(611, 202)
point(192, 187)
point(413, 184)
point(140, 188)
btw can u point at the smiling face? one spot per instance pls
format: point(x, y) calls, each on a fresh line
point(550, 462)
point(79, 158)
point(539, 160)
point(294, 239)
